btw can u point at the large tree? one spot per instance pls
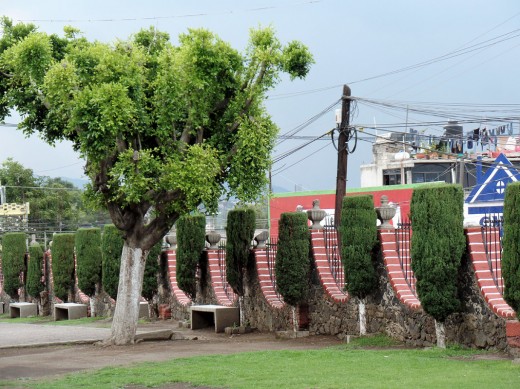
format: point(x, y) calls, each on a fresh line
point(164, 128)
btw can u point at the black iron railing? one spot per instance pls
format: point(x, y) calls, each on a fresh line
point(222, 267)
point(492, 231)
point(270, 249)
point(330, 235)
point(403, 238)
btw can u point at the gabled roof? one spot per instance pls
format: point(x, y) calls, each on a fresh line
point(493, 185)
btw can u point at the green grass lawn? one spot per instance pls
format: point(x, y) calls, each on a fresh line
point(349, 366)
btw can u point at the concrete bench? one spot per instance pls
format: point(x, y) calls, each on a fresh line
point(144, 312)
point(69, 311)
point(23, 309)
point(214, 315)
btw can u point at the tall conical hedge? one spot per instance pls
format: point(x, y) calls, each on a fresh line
point(88, 259)
point(151, 270)
point(292, 257)
point(358, 231)
point(240, 230)
point(111, 248)
point(191, 238)
point(63, 264)
point(13, 261)
point(438, 243)
point(34, 271)
point(511, 246)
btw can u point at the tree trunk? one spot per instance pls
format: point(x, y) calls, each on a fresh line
point(440, 334)
point(241, 310)
point(126, 315)
point(296, 324)
point(93, 306)
point(362, 317)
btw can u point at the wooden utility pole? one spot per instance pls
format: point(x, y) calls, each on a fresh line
point(341, 176)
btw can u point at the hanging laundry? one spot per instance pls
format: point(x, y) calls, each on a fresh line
point(510, 129)
point(476, 134)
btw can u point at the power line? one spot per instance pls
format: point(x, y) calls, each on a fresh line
point(180, 16)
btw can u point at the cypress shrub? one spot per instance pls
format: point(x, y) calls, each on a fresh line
point(190, 243)
point(88, 259)
point(511, 247)
point(292, 257)
point(151, 272)
point(63, 264)
point(358, 231)
point(34, 272)
point(438, 243)
point(111, 248)
point(240, 232)
point(13, 261)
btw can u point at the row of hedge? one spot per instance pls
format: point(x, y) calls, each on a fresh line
point(98, 257)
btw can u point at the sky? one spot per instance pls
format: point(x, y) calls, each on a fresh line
point(399, 58)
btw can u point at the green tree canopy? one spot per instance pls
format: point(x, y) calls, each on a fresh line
point(162, 127)
point(55, 204)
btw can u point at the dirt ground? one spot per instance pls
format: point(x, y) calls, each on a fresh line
point(47, 361)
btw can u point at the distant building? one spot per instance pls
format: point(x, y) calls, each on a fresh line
point(414, 158)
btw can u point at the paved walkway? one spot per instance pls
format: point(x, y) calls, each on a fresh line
point(24, 335)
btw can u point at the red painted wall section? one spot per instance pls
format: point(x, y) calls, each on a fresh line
point(179, 295)
point(287, 202)
point(327, 280)
point(217, 275)
point(395, 271)
point(264, 277)
point(483, 274)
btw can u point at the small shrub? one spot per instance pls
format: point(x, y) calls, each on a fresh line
point(111, 249)
point(190, 243)
point(63, 265)
point(34, 271)
point(88, 259)
point(13, 261)
point(240, 232)
point(292, 258)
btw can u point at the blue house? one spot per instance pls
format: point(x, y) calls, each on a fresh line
point(487, 197)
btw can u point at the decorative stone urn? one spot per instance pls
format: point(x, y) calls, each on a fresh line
point(316, 215)
point(261, 238)
point(171, 239)
point(213, 238)
point(385, 213)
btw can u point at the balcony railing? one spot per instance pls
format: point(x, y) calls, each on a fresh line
point(403, 238)
point(492, 232)
point(333, 255)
